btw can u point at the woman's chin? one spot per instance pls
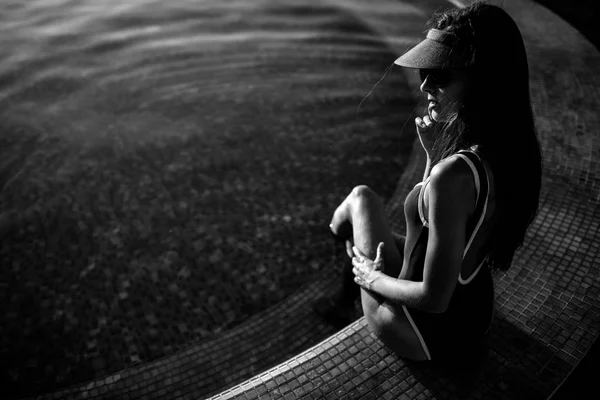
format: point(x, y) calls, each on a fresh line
point(438, 117)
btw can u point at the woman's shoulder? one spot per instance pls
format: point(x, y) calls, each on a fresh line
point(452, 180)
point(451, 168)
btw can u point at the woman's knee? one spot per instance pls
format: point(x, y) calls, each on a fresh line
point(362, 195)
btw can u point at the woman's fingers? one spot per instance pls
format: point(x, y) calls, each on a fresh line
point(427, 121)
point(419, 122)
point(357, 252)
point(349, 246)
point(361, 256)
point(379, 252)
point(424, 123)
point(357, 267)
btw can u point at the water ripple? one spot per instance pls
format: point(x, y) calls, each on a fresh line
point(148, 147)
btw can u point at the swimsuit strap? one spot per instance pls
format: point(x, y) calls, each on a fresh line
point(421, 204)
point(483, 191)
point(421, 199)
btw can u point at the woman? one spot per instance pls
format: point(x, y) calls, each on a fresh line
point(433, 291)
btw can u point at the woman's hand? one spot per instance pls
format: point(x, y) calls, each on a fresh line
point(367, 271)
point(425, 132)
point(349, 248)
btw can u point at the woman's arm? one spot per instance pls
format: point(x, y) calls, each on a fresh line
point(427, 168)
point(401, 291)
point(451, 198)
point(424, 131)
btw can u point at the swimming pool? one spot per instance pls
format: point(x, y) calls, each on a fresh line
point(169, 170)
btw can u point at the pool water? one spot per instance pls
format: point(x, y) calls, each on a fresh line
point(168, 169)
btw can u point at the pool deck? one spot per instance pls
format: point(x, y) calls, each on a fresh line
point(580, 14)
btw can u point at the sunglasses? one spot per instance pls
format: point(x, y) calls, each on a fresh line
point(437, 77)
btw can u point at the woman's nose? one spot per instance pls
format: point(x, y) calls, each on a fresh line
point(426, 86)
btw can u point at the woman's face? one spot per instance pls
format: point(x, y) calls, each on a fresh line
point(445, 90)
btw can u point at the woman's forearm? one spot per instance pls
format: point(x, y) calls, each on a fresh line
point(427, 168)
point(403, 292)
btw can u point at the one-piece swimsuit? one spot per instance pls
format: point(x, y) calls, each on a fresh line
point(470, 310)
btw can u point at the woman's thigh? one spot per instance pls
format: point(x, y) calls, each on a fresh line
point(369, 228)
point(399, 334)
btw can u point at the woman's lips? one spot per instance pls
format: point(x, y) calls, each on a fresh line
point(431, 107)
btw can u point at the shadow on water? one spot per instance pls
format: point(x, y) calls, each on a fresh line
point(141, 218)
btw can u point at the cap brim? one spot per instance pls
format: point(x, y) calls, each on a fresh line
point(428, 54)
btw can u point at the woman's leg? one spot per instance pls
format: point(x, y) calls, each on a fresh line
point(339, 308)
point(350, 291)
point(361, 216)
point(363, 212)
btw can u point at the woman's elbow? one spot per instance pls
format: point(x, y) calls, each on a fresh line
point(435, 304)
point(437, 308)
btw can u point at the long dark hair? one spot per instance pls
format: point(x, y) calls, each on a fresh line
point(496, 114)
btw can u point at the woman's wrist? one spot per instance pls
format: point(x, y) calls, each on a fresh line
point(378, 276)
